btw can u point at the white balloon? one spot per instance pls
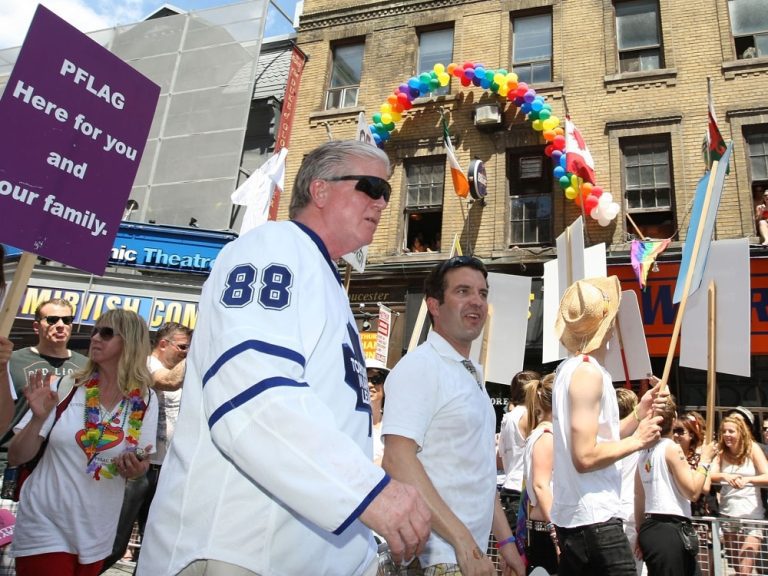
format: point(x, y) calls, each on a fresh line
point(595, 213)
point(603, 200)
point(613, 210)
point(604, 222)
point(608, 196)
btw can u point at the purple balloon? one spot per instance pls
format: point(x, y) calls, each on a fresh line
point(530, 96)
point(556, 156)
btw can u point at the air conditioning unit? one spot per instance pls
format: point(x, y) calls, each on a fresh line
point(488, 115)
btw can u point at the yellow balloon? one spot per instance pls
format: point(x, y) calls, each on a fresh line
point(438, 68)
point(574, 178)
point(555, 121)
point(386, 118)
point(444, 79)
point(396, 116)
point(537, 125)
point(503, 90)
point(499, 79)
point(512, 77)
point(386, 108)
point(570, 193)
point(548, 124)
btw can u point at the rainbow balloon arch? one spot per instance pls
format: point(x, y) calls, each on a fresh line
point(596, 202)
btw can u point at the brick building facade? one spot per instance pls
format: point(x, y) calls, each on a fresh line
point(632, 75)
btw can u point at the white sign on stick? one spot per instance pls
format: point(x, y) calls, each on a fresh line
point(728, 266)
point(635, 345)
point(509, 298)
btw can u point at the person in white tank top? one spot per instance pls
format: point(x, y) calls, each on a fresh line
point(742, 469)
point(665, 485)
point(511, 447)
point(589, 437)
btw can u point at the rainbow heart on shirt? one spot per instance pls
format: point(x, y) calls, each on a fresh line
point(111, 437)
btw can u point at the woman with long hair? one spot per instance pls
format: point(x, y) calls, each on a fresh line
point(665, 485)
point(741, 468)
point(98, 430)
point(541, 547)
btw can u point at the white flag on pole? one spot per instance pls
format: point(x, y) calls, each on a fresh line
point(256, 192)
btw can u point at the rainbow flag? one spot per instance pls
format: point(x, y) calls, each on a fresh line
point(643, 254)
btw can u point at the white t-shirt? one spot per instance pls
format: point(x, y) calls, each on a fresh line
point(271, 464)
point(62, 508)
point(434, 400)
point(589, 497)
point(512, 447)
point(169, 402)
point(741, 502)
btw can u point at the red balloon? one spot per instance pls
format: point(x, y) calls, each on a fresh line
point(590, 202)
point(597, 191)
point(465, 81)
point(559, 142)
point(577, 200)
point(548, 150)
point(468, 64)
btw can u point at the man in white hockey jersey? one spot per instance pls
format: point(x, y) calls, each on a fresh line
point(271, 470)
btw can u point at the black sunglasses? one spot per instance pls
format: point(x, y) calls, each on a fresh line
point(679, 431)
point(182, 347)
point(372, 186)
point(377, 378)
point(53, 320)
point(105, 332)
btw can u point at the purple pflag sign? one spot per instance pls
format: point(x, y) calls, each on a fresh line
point(75, 119)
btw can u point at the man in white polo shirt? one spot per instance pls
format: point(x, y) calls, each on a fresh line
point(439, 429)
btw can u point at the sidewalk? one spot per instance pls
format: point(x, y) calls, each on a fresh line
point(121, 569)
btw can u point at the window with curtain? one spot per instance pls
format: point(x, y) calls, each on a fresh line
point(435, 47)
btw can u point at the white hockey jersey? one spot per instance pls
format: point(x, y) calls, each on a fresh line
point(271, 464)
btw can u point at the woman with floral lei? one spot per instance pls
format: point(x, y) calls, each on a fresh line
point(742, 469)
point(99, 429)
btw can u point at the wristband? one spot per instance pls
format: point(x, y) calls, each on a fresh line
point(506, 541)
point(703, 470)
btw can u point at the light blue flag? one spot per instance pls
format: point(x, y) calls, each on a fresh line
point(707, 226)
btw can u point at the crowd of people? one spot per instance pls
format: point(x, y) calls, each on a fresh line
point(282, 459)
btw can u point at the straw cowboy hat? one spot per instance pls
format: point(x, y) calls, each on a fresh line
point(587, 311)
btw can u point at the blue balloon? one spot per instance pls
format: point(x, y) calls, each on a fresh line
point(477, 80)
point(525, 108)
point(485, 84)
point(559, 171)
point(413, 83)
point(562, 160)
point(537, 104)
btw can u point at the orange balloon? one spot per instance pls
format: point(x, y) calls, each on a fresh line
point(549, 135)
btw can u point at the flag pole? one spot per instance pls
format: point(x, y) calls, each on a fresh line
point(640, 234)
point(711, 368)
point(688, 279)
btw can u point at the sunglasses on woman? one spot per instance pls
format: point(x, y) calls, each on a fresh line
point(104, 332)
point(372, 186)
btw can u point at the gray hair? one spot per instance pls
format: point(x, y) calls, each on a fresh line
point(325, 161)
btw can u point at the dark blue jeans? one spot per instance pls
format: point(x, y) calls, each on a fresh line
point(595, 549)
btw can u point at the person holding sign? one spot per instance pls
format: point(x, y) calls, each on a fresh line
point(439, 429)
point(98, 427)
point(7, 393)
point(590, 440)
point(271, 467)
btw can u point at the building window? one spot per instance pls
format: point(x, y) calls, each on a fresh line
point(638, 35)
point(532, 48)
point(648, 189)
point(425, 182)
point(757, 146)
point(345, 76)
point(749, 26)
point(436, 47)
point(530, 199)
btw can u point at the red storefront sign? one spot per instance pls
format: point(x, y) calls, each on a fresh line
point(658, 312)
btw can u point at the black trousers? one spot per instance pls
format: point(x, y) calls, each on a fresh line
point(663, 550)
